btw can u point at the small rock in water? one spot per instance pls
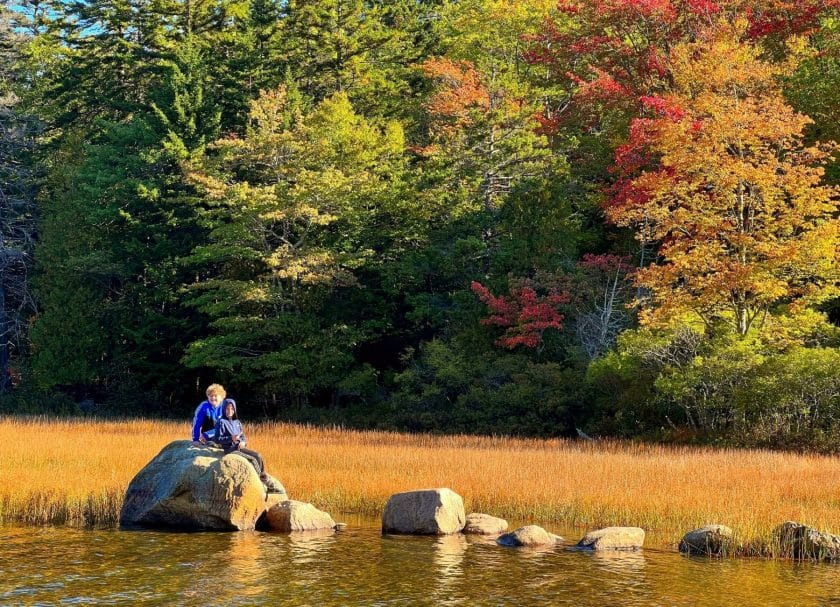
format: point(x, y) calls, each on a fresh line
point(802, 542)
point(613, 538)
point(530, 535)
point(484, 524)
point(710, 540)
point(291, 515)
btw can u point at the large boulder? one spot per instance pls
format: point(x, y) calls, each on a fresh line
point(529, 535)
point(484, 524)
point(291, 515)
point(613, 538)
point(709, 540)
point(424, 512)
point(802, 542)
point(192, 487)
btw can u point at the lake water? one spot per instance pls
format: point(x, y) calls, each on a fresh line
point(63, 566)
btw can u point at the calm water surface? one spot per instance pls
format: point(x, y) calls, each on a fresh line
point(60, 566)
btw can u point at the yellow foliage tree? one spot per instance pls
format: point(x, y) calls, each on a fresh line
point(720, 177)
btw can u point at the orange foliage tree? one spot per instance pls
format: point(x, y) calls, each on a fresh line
point(719, 175)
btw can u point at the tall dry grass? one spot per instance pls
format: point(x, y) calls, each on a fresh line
point(76, 472)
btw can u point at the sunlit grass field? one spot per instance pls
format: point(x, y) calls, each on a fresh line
point(76, 472)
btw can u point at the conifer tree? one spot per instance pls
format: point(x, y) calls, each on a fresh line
point(292, 201)
point(17, 206)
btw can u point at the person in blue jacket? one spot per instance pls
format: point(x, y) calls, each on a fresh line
point(231, 438)
point(208, 413)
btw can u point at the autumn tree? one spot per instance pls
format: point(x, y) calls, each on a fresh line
point(524, 314)
point(719, 175)
point(605, 55)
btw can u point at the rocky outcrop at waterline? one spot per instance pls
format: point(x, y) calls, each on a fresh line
point(192, 487)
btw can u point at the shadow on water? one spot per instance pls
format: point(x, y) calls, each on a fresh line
point(61, 566)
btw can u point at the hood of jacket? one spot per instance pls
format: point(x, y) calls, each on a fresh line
point(225, 404)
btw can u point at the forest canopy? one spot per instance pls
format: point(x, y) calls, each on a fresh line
point(527, 217)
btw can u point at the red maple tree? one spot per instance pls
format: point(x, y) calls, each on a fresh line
point(524, 314)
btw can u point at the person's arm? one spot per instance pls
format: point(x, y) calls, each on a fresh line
point(197, 419)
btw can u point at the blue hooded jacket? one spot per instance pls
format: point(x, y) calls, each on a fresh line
point(205, 419)
point(227, 428)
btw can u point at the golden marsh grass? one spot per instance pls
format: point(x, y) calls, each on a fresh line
point(76, 472)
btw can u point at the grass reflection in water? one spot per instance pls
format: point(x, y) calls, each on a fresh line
point(360, 567)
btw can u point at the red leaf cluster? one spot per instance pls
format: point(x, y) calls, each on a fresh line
point(620, 47)
point(524, 314)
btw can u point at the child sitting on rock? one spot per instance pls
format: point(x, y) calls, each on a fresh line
point(207, 414)
point(231, 438)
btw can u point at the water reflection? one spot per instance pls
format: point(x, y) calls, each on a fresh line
point(623, 562)
point(448, 560)
point(361, 567)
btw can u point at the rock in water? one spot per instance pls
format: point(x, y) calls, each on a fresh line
point(710, 540)
point(192, 487)
point(424, 512)
point(484, 524)
point(803, 542)
point(291, 515)
point(529, 535)
point(613, 538)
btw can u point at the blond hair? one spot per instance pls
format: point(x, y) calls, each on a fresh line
point(216, 389)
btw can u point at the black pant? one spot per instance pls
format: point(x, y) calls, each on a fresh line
point(255, 459)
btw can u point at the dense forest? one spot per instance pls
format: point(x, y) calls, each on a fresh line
point(616, 218)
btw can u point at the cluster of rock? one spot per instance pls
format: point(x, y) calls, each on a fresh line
point(790, 540)
point(192, 487)
point(441, 512)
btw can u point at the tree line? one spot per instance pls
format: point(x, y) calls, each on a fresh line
point(617, 218)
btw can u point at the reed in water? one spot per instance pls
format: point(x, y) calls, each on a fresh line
point(75, 471)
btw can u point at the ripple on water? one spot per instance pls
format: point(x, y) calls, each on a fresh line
point(361, 567)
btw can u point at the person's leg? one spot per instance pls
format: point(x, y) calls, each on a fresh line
point(256, 460)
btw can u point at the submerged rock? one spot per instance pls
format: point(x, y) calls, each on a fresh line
point(193, 487)
point(424, 512)
point(529, 535)
point(802, 542)
point(710, 540)
point(613, 538)
point(484, 524)
point(291, 515)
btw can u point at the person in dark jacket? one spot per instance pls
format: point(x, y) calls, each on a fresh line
point(208, 413)
point(231, 438)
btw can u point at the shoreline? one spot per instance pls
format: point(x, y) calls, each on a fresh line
point(554, 483)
